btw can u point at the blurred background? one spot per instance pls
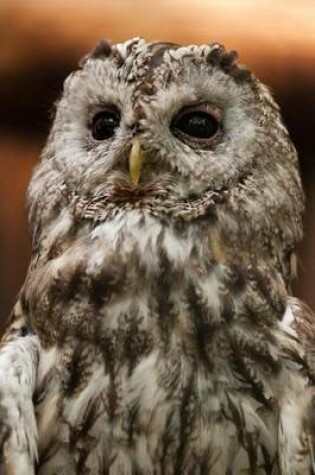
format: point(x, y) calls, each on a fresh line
point(42, 41)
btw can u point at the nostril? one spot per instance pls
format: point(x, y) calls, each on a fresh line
point(135, 128)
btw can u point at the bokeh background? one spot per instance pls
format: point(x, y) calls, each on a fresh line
point(42, 41)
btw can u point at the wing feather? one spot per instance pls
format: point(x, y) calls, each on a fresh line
point(19, 356)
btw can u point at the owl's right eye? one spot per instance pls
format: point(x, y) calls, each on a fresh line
point(105, 123)
point(198, 126)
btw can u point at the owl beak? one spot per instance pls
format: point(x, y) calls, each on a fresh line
point(136, 159)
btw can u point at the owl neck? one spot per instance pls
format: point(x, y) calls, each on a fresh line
point(87, 276)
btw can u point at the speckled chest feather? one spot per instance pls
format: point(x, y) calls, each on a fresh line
point(157, 358)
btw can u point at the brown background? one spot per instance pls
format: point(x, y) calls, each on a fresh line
point(41, 42)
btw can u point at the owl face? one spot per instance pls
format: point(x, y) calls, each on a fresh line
point(199, 126)
point(159, 123)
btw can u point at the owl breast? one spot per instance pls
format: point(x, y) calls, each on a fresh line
point(157, 358)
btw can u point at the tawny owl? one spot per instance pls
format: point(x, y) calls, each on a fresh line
point(155, 332)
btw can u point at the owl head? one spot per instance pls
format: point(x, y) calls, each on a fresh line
point(184, 133)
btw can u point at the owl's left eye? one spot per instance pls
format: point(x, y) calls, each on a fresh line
point(197, 126)
point(104, 124)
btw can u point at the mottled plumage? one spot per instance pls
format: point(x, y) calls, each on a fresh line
point(155, 332)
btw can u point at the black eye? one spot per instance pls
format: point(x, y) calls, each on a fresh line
point(104, 124)
point(196, 127)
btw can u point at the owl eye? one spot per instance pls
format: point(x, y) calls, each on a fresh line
point(196, 127)
point(104, 124)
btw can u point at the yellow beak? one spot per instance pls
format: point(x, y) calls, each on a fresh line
point(136, 159)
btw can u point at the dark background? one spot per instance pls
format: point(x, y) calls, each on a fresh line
point(42, 41)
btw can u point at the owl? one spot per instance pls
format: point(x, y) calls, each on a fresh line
point(155, 332)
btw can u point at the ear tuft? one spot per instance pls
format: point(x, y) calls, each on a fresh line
point(227, 60)
point(102, 50)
